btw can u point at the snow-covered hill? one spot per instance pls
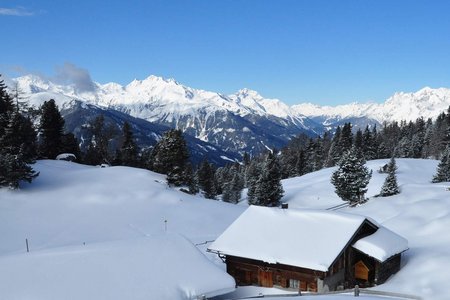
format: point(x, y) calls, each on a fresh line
point(78, 213)
point(101, 233)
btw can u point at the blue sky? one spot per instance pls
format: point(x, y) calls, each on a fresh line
point(324, 52)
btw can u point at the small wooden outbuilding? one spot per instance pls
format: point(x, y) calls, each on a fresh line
point(308, 250)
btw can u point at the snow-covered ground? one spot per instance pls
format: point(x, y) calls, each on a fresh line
point(420, 213)
point(77, 216)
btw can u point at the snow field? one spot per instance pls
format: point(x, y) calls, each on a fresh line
point(72, 208)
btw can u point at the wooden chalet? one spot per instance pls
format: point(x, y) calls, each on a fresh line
point(308, 250)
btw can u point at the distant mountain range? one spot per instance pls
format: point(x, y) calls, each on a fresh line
point(234, 124)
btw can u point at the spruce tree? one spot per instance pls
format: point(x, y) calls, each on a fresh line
point(205, 177)
point(129, 150)
point(52, 129)
point(269, 190)
point(19, 137)
point(390, 186)
point(191, 179)
point(98, 150)
point(251, 178)
point(351, 178)
point(443, 168)
point(335, 151)
point(6, 106)
point(18, 143)
point(14, 169)
point(170, 156)
point(70, 144)
point(233, 187)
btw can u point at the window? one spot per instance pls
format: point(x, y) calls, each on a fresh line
point(294, 283)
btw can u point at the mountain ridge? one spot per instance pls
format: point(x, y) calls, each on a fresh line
point(241, 122)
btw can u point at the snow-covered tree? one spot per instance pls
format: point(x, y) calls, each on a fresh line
point(269, 190)
point(390, 186)
point(232, 189)
point(351, 178)
point(443, 169)
point(251, 177)
point(170, 157)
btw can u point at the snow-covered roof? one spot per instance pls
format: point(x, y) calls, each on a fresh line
point(164, 266)
point(382, 244)
point(310, 239)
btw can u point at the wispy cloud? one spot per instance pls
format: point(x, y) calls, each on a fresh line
point(72, 74)
point(17, 12)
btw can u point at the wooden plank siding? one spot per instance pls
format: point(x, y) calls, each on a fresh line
point(254, 272)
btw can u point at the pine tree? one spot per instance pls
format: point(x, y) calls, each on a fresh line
point(390, 186)
point(351, 178)
point(98, 150)
point(443, 168)
point(205, 177)
point(69, 144)
point(251, 178)
point(335, 152)
point(346, 138)
point(369, 143)
point(18, 143)
point(269, 190)
point(14, 169)
point(300, 166)
point(19, 138)
point(93, 155)
point(52, 129)
point(191, 179)
point(170, 156)
point(129, 150)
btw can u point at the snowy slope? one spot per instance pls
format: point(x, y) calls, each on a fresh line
point(72, 208)
point(81, 219)
point(420, 213)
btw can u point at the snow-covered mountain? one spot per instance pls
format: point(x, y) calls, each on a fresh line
point(426, 103)
point(241, 122)
point(244, 121)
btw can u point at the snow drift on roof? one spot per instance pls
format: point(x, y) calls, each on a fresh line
point(382, 244)
point(310, 239)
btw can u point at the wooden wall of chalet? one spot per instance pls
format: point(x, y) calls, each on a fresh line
point(254, 272)
point(384, 270)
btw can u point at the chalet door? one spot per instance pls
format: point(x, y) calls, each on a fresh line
point(265, 279)
point(361, 271)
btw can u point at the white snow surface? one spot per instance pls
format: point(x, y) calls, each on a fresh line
point(299, 237)
point(81, 221)
point(382, 244)
point(165, 266)
point(107, 208)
